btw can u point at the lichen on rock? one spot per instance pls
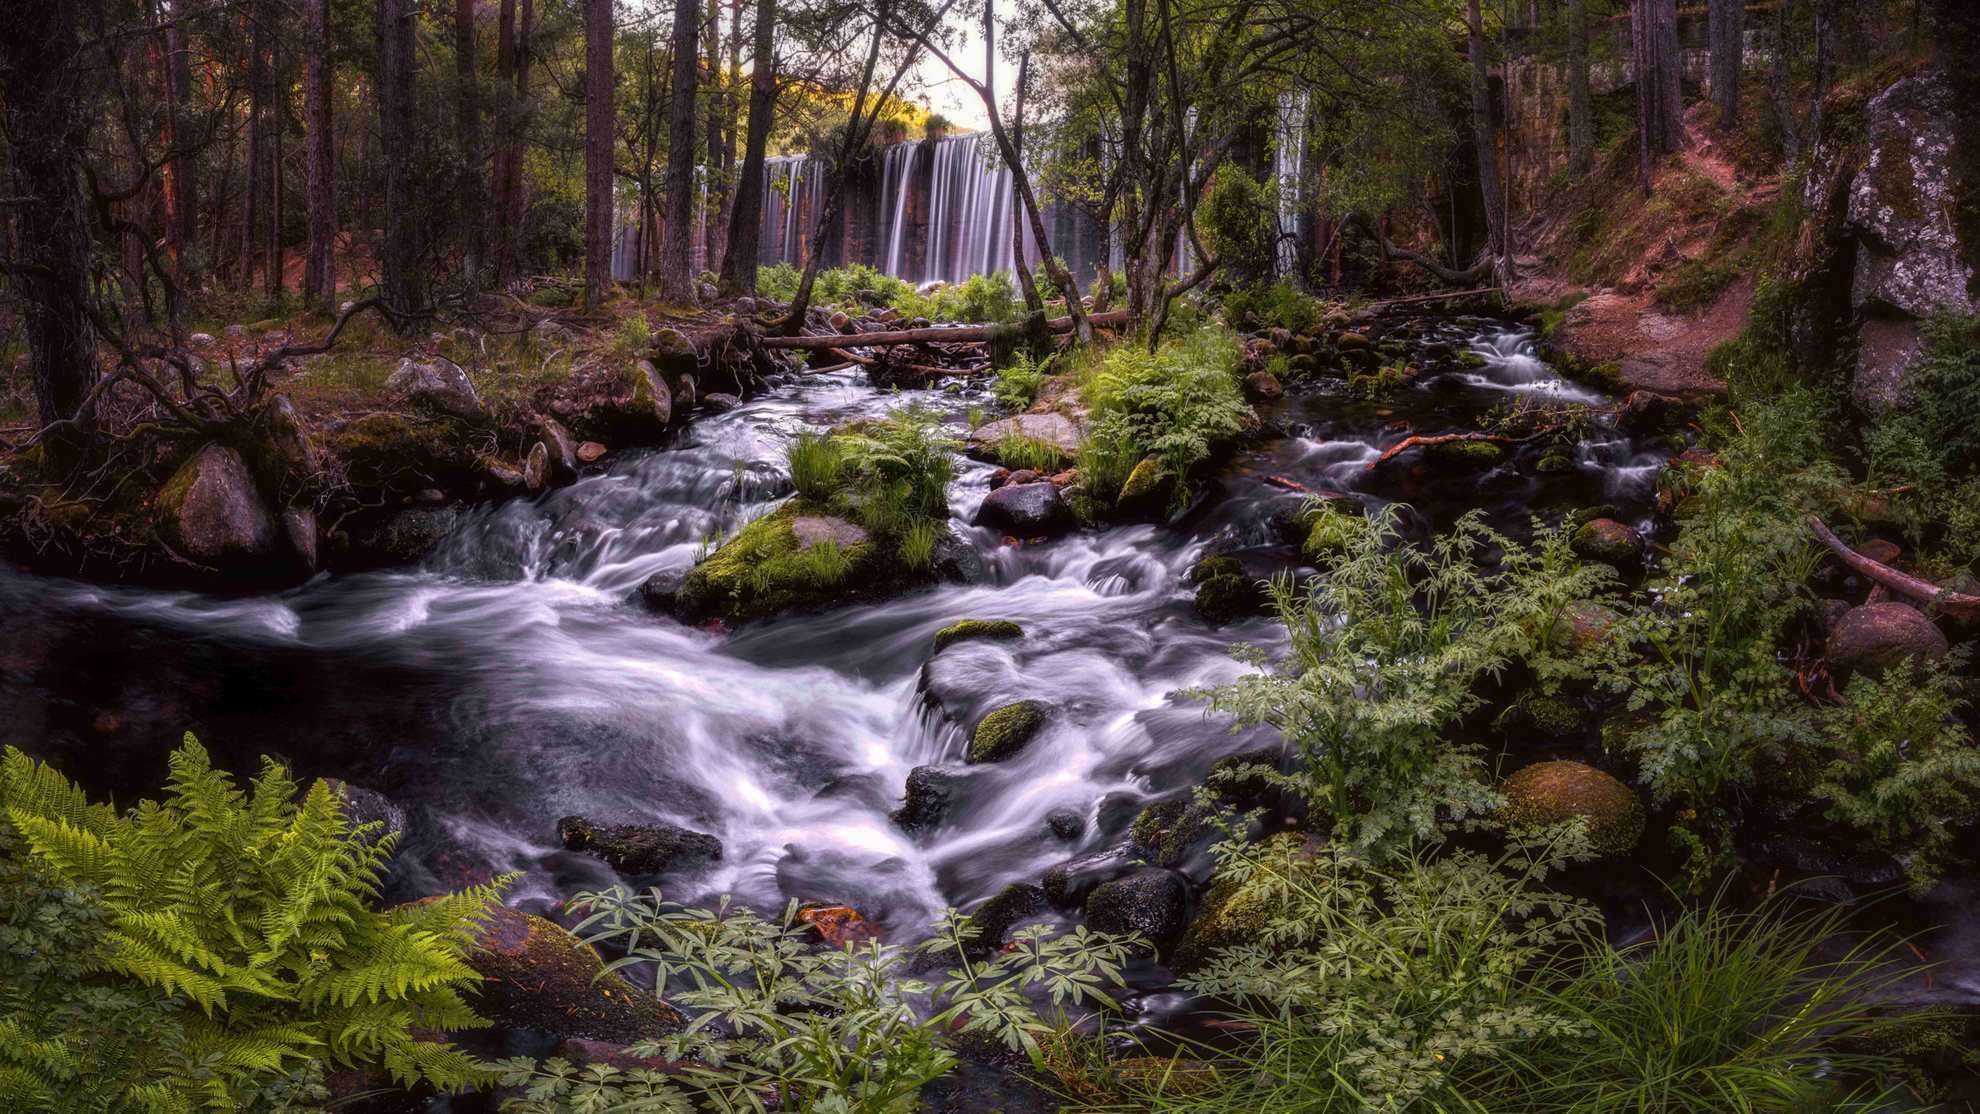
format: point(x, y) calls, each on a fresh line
point(1549, 793)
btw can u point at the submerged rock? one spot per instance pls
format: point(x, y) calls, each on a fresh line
point(1068, 884)
point(1026, 510)
point(211, 513)
point(976, 628)
point(1549, 793)
point(1226, 597)
point(408, 536)
point(537, 976)
point(1005, 731)
point(647, 848)
point(1154, 903)
point(1878, 637)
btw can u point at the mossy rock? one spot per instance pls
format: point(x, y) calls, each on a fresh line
point(767, 568)
point(1603, 377)
point(1470, 360)
point(1556, 716)
point(1585, 624)
point(992, 920)
point(538, 976)
point(1210, 567)
point(976, 628)
point(1467, 454)
point(388, 448)
point(1167, 830)
point(1005, 731)
point(1232, 914)
point(1225, 597)
point(647, 848)
point(1330, 537)
point(1147, 487)
point(1555, 462)
point(268, 325)
point(1550, 793)
point(1243, 780)
point(1585, 515)
point(1170, 1077)
point(1608, 541)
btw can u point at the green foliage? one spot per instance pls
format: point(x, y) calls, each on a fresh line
point(1016, 451)
point(891, 475)
point(918, 543)
point(1236, 220)
point(1384, 655)
point(1937, 436)
point(814, 460)
point(1276, 305)
point(250, 909)
point(804, 1028)
point(632, 337)
point(1018, 382)
point(1177, 404)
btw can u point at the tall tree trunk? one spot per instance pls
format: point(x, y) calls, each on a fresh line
point(1498, 242)
point(1778, 83)
point(273, 277)
point(676, 283)
point(1670, 73)
point(746, 211)
point(40, 75)
point(1727, 19)
point(600, 119)
point(399, 253)
point(715, 187)
point(498, 170)
point(1581, 103)
point(473, 198)
point(251, 193)
point(320, 261)
point(1034, 305)
point(1827, 47)
point(180, 172)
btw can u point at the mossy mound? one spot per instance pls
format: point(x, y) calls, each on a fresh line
point(1608, 541)
point(1331, 535)
point(1005, 731)
point(1555, 462)
point(1555, 715)
point(537, 976)
point(1209, 568)
point(1232, 914)
point(1470, 360)
point(1147, 488)
point(976, 628)
point(1228, 596)
point(1603, 377)
point(1550, 793)
point(1466, 454)
point(386, 448)
point(1167, 830)
point(1584, 624)
point(767, 568)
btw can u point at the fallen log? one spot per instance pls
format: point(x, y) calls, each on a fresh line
point(934, 334)
point(1413, 442)
point(1414, 298)
point(1946, 600)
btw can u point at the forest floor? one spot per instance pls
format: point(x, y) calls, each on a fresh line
point(1657, 282)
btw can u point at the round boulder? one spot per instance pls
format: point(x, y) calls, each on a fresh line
point(1549, 793)
point(993, 919)
point(1005, 731)
point(211, 512)
point(1608, 541)
point(1469, 453)
point(930, 792)
point(1154, 903)
point(1026, 510)
point(1876, 637)
point(537, 976)
point(1263, 386)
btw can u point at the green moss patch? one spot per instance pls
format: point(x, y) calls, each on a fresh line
point(1550, 793)
point(1005, 731)
point(976, 628)
point(766, 568)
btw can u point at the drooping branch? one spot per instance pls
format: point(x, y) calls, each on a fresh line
point(1950, 602)
point(1471, 276)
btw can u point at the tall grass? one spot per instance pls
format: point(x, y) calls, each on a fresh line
point(1016, 451)
point(814, 460)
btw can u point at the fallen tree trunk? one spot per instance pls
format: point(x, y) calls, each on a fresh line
point(933, 334)
point(1950, 602)
point(1413, 442)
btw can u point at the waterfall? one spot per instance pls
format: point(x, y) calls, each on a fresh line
point(896, 181)
point(1288, 175)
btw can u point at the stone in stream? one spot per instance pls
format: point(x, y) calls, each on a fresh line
point(590, 452)
point(1154, 903)
point(1005, 731)
point(1262, 386)
point(1068, 884)
point(1167, 831)
point(536, 467)
point(993, 919)
point(1608, 541)
point(1469, 453)
point(368, 806)
point(1878, 637)
point(1032, 510)
point(651, 394)
point(1066, 824)
point(442, 385)
point(408, 536)
point(1227, 597)
point(1650, 412)
point(1051, 427)
point(210, 513)
point(299, 531)
point(563, 450)
point(1146, 491)
point(975, 628)
point(645, 848)
point(1550, 793)
point(1233, 913)
point(930, 792)
point(537, 976)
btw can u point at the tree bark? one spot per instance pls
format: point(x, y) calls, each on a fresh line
point(399, 253)
point(40, 75)
point(272, 276)
point(180, 172)
point(707, 225)
point(1727, 32)
point(1034, 305)
point(472, 198)
point(1778, 84)
point(251, 193)
point(676, 283)
point(320, 259)
point(1581, 103)
point(746, 212)
point(600, 120)
point(498, 169)
point(1498, 242)
point(1670, 71)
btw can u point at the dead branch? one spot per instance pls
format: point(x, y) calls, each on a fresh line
point(1413, 442)
point(1946, 600)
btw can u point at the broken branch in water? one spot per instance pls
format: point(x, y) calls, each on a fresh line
point(1946, 600)
point(1413, 442)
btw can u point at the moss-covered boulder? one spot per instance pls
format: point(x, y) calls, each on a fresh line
point(1469, 453)
point(1147, 489)
point(210, 512)
point(1167, 831)
point(1608, 541)
point(1470, 360)
point(993, 919)
point(645, 848)
point(1549, 793)
point(1332, 534)
point(786, 560)
point(931, 791)
point(402, 451)
point(1555, 716)
point(1879, 637)
point(976, 628)
point(1243, 780)
point(1584, 624)
point(537, 976)
point(406, 537)
point(1227, 597)
point(1005, 731)
point(650, 392)
point(1555, 462)
point(1231, 915)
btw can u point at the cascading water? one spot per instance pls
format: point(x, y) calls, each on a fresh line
point(793, 194)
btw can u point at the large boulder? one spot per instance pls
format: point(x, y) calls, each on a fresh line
point(931, 790)
point(1549, 793)
point(286, 451)
point(210, 512)
point(537, 976)
point(1878, 637)
point(1032, 510)
point(1005, 731)
point(993, 919)
point(407, 537)
point(1052, 428)
point(1167, 831)
point(1650, 412)
point(1070, 883)
point(442, 385)
point(1233, 913)
point(645, 848)
point(1608, 541)
point(780, 562)
point(1154, 903)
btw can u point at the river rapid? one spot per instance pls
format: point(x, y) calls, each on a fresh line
point(512, 678)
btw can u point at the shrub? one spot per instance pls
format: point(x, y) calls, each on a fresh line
point(1016, 451)
point(814, 460)
point(1937, 436)
point(1177, 404)
point(1237, 220)
point(237, 926)
point(1276, 305)
point(891, 475)
point(632, 337)
point(1018, 382)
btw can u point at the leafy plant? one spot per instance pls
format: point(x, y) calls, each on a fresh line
point(918, 543)
point(1383, 656)
point(632, 337)
point(1176, 404)
point(1018, 452)
point(1936, 435)
point(1018, 381)
point(814, 460)
point(830, 1029)
point(1276, 305)
point(250, 909)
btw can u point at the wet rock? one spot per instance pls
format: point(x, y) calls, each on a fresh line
point(931, 790)
point(1827, 875)
point(644, 848)
point(563, 450)
point(719, 403)
point(993, 919)
point(442, 385)
point(368, 806)
point(1550, 793)
point(1263, 386)
point(1147, 489)
point(210, 512)
point(1227, 597)
point(1555, 462)
point(1032, 510)
point(1830, 614)
point(660, 593)
point(1303, 366)
point(1555, 716)
point(1352, 342)
point(1167, 831)
point(1650, 412)
point(537, 976)
point(1052, 428)
point(536, 467)
point(1465, 454)
point(819, 529)
point(1878, 637)
point(1213, 566)
point(1005, 731)
point(408, 536)
point(1608, 541)
point(590, 452)
point(651, 394)
point(1066, 824)
point(500, 471)
point(837, 925)
point(841, 322)
point(1070, 883)
point(1240, 780)
point(285, 452)
point(1881, 551)
point(1331, 535)
point(299, 532)
point(1154, 903)
point(401, 450)
point(767, 568)
point(975, 628)
point(1233, 913)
